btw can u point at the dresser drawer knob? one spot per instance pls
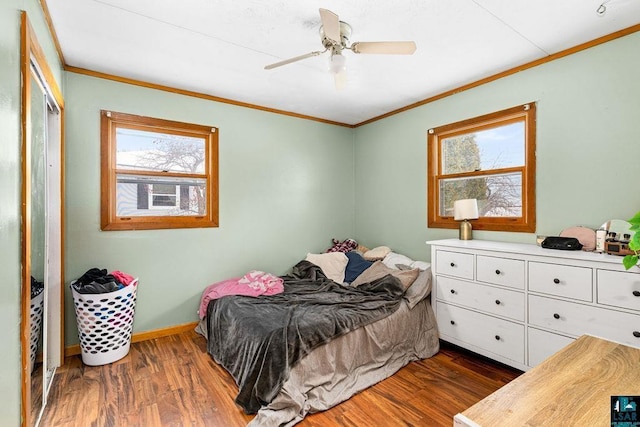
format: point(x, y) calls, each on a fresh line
point(498, 302)
point(453, 291)
point(556, 316)
point(453, 264)
point(497, 337)
point(453, 323)
point(498, 271)
point(636, 334)
point(556, 281)
point(636, 293)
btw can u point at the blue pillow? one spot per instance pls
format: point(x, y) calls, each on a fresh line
point(356, 265)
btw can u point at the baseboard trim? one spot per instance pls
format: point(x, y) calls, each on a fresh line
point(74, 350)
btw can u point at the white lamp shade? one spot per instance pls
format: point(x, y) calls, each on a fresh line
point(465, 209)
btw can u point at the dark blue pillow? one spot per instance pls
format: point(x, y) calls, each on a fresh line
point(355, 266)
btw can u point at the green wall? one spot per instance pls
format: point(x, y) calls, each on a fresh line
point(286, 188)
point(288, 185)
point(10, 186)
point(588, 134)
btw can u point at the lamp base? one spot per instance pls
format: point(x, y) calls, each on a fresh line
point(465, 231)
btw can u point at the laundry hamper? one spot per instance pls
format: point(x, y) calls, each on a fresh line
point(105, 322)
point(36, 312)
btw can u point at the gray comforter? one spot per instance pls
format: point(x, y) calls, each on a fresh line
point(258, 340)
point(334, 372)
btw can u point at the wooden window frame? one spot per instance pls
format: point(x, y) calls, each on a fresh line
point(109, 221)
point(527, 222)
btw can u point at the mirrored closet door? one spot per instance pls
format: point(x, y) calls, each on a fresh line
point(42, 252)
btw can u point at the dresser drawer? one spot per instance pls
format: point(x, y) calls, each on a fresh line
point(561, 280)
point(619, 289)
point(494, 335)
point(500, 271)
point(577, 319)
point(502, 302)
point(543, 344)
point(454, 264)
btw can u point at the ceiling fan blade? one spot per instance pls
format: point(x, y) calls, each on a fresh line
point(294, 59)
point(393, 48)
point(330, 25)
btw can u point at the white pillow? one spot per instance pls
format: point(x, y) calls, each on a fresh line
point(332, 264)
point(422, 265)
point(377, 253)
point(393, 259)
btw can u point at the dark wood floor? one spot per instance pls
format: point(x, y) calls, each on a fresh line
point(172, 381)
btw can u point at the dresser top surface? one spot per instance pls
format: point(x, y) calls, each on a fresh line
point(528, 249)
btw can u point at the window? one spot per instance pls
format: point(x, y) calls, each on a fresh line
point(157, 173)
point(163, 196)
point(491, 159)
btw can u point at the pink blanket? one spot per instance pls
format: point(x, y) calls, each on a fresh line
point(252, 284)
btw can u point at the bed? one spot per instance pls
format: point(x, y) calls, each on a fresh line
point(306, 363)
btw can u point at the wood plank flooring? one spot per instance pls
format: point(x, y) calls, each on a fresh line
point(172, 381)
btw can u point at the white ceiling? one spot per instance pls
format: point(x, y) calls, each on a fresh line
point(220, 47)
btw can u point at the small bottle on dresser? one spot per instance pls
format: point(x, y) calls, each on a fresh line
point(601, 236)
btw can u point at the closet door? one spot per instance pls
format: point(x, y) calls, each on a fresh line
point(42, 229)
point(54, 350)
point(36, 203)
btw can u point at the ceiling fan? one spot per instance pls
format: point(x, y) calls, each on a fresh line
point(334, 35)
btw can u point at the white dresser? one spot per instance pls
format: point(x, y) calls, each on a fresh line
point(519, 303)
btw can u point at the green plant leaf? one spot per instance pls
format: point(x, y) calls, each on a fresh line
point(635, 220)
point(629, 261)
point(634, 243)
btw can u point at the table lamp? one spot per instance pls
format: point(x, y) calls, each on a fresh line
point(464, 210)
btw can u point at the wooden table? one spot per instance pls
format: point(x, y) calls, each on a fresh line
point(571, 388)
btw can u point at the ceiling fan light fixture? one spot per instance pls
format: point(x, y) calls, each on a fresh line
point(335, 35)
point(337, 63)
point(340, 80)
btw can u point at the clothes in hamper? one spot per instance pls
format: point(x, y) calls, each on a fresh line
point(36, 287)
point(96, 281)
point(122, 277)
